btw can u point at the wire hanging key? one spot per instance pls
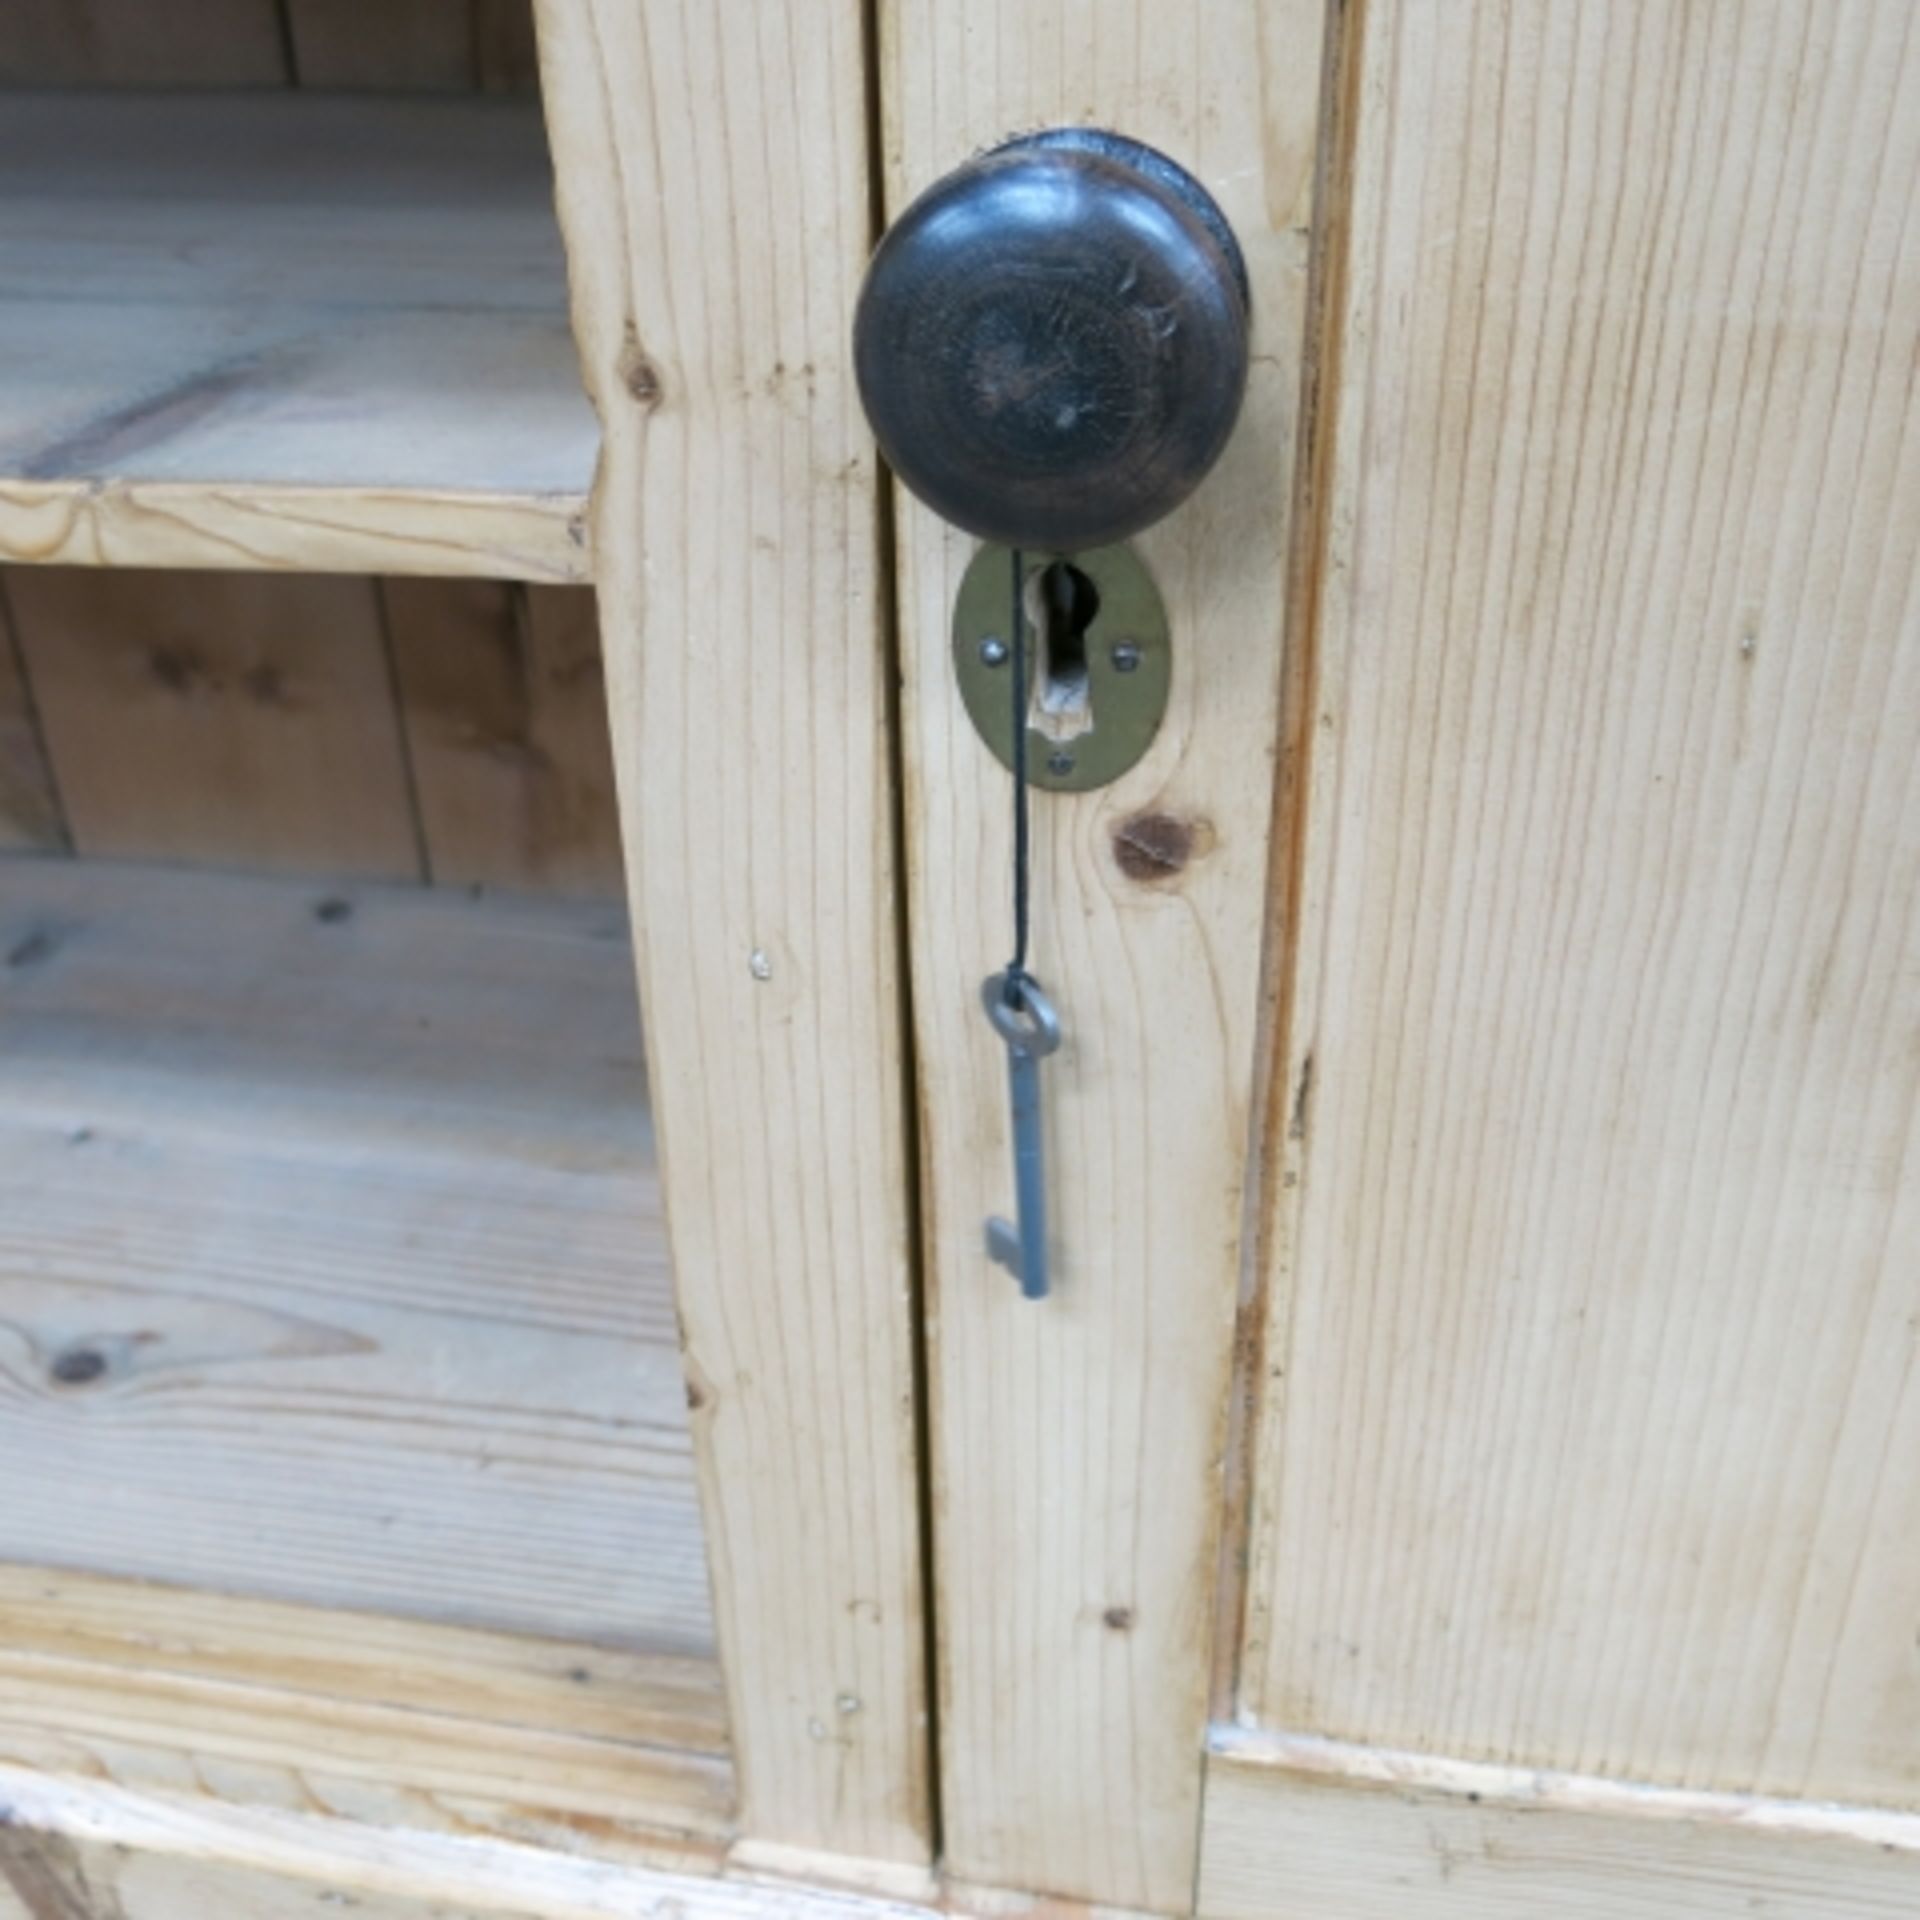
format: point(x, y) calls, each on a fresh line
point(1022, 1015)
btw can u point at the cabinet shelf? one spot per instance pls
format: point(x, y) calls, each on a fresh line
point(332, 1265)
point(289, 331)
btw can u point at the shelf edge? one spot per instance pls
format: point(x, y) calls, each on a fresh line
point(274, 528)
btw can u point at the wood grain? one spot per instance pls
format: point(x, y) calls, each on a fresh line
point(505, 708)
point(1077, 1444)
point(30, 815)
point(219, 718)
point(331, 1261)
point(388, 1722)
point(1359, 1835)
point(1592, 1419)
point(713, 185)
point(50, 1877)
point(256, 331)
point(168, 1848)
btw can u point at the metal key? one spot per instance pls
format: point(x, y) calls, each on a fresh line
point(1031, 1030)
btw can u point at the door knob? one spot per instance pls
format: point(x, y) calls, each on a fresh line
point(1051, 343)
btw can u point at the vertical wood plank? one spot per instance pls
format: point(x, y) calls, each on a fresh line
point(432, 46)
point(505, 708)
point(236, 718)
point(506, 58)
point(1078, 1443)
point(30, 816)
point(1594, 1345)
point(134, 43)
point(420, 46)
point(712, 167)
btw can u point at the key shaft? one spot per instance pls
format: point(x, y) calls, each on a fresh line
point(1024, 1018)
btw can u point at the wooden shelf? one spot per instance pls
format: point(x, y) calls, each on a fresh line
point(287, 330)
point(332, 1269)
point(390, 1723)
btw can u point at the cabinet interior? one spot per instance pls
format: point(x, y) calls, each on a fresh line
point(345, 1460)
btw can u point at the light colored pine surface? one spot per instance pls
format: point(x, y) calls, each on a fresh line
point(219, 718)
point(505, 709)
point(286, 331)
point(251, 1706)
point(155, 1857)
point(1284, 1840)
point(331, 1260)
point(44, 1875)
point(713, 179)
point(1077, 1444)
point(1592, 1433)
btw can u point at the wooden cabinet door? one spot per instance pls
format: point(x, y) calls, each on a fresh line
point(1076, 1443)
point(1470, 1464)
point(1582, 1564)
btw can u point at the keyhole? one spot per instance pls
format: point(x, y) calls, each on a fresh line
point(1062, 603)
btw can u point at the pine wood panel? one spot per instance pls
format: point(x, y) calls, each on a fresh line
point(1483, 1843)
point(505, 708)
point(133, 43)
point(387, 1722)
point(219, 718)
point(507, 1681)
point(30, 815)
point(331, 1259)
point(172, 1857)
point(713, 181)
point(261, 331)
point(46, 1876)
point(1592, 1416)
point(1077, 1443)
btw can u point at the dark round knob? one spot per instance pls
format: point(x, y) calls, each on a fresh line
point(1052, 341)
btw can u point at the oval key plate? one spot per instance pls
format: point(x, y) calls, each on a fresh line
point(1097, 685)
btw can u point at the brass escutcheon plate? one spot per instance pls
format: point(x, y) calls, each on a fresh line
point(1128, 663)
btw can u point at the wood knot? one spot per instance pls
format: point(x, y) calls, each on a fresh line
point(79, 1366)
point(177, 668)
point(1120, 1619)
point(1155, 846)
point(35, 947)
point(638, 374)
